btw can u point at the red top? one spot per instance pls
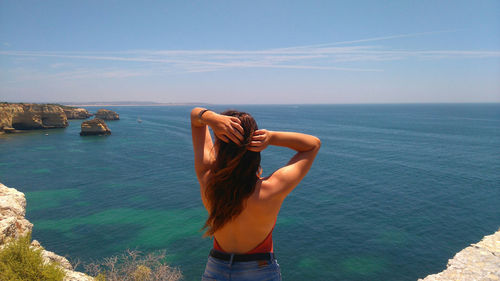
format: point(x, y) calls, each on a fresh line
point(265, 246)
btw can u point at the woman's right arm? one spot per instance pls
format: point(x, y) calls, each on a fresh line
point(226, 128)
point(285, 179)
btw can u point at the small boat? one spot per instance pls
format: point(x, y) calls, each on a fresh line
point(139, 120)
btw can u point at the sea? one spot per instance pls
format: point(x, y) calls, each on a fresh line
point(395, 191)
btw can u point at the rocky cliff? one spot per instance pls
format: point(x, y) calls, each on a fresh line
point(13, 224)
point(76, 112)
point(479, 261)
point(27, 116)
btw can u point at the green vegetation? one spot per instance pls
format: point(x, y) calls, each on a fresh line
point(132, 266)
point(20, 262)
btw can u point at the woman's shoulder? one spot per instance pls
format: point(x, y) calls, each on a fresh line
point(265, 190)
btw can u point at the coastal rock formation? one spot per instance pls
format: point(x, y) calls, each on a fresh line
point(479, 261)
point(94, 127)
point(105, 114)
point(13, 224)
point(12, 211)
point(21, 116)
point(76, 112)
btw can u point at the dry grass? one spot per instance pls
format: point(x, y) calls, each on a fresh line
point(132, 266)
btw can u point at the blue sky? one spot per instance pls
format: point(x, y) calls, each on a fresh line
point(253, 52)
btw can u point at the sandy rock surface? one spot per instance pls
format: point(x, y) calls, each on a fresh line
point(479, 261)
point(12, 211)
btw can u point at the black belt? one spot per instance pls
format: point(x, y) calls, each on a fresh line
point(243, 257)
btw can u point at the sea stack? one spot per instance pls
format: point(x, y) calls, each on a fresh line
point(95, 127)
point(105, 114)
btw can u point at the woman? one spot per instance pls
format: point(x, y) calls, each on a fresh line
point(243, 206)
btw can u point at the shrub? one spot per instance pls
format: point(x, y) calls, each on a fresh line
point(132, 266)
point(141, 273)
point(19, 261)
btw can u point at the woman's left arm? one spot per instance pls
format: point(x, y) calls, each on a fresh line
point(227, 128)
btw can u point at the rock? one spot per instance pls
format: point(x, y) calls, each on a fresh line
point(105, 114)
point(9, 130)
point(35, 243)
point(76, 113)
point(479, 261)
point(13, 224)
point(95, 127)
point(76, 276)
point(12, 211)
point(49, 256)
point(21, 116)
point(7, 111)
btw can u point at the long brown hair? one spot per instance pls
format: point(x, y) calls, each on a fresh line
point(233, 176)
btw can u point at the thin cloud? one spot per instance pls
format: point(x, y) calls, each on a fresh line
point(23, 75)
point(328, 57)
point(374, 39)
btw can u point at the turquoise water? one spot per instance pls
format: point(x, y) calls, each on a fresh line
point(396, 190)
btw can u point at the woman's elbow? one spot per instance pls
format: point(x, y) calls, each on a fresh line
point(311, 144)
point(194, 112)
point(316, 143)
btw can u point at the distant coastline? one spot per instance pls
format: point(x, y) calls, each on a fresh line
point(132, 103)
point(96, 104)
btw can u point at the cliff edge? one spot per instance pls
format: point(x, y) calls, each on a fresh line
point(479, 261)
point(13, 224)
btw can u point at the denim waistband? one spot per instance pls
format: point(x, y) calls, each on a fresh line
point(241, 257)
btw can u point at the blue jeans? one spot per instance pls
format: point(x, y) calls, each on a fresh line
point(221, 270)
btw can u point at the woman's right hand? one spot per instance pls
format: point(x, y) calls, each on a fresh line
point(260, 140)
point(224, 127)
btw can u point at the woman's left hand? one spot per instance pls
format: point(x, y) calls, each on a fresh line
point(260, 140)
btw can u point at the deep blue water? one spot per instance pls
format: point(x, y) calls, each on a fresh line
point(395, 191)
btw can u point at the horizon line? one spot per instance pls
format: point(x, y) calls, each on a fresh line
point(139, 104)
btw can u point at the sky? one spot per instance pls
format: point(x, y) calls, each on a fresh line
point(250, 52)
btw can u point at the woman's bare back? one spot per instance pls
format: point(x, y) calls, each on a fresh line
point(253, 225)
